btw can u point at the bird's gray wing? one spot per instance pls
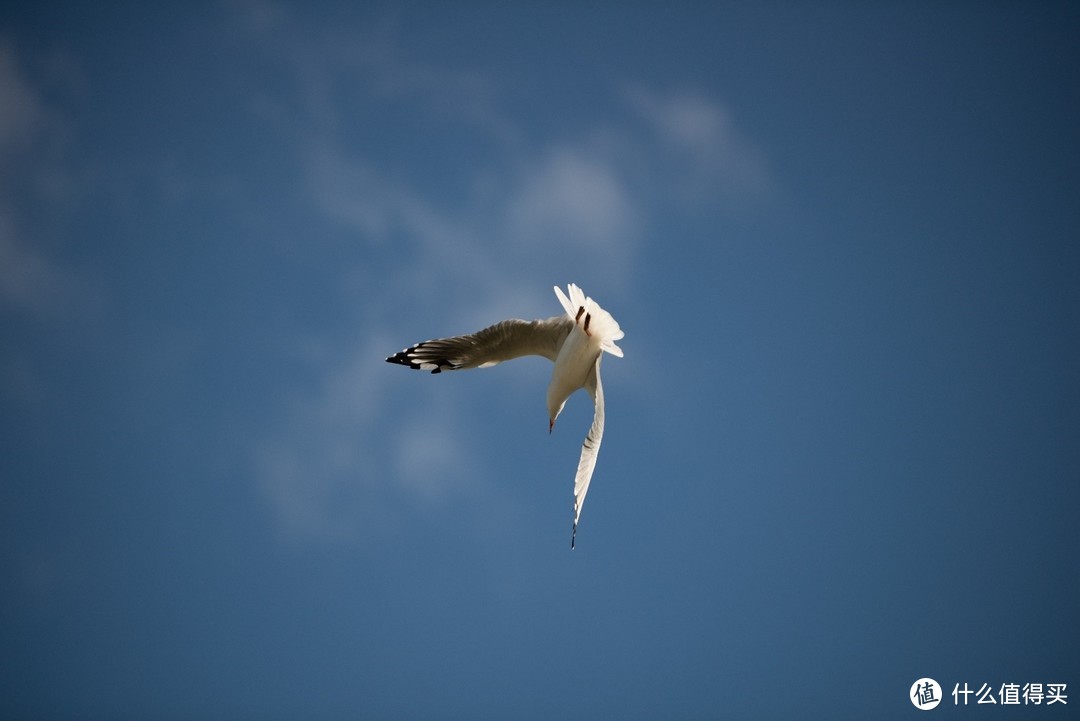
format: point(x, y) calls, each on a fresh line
point(591, 447)
point(494, 344)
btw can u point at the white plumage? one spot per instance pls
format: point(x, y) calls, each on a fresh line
point(575, 342)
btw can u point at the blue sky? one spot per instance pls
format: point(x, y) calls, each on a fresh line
point(841, 450)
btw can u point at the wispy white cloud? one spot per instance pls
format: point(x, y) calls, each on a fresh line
point(318, 472)
point(332, 65)
point(429, 455)
point(572, 198)
point(32, 171)
point(703, 150)
point(20, 107)
point(353, 193)
point(27, 279)
point(340, 469)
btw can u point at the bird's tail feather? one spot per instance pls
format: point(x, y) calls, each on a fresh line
point(601, 324)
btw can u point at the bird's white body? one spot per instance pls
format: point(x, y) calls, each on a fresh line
point(573, 366)
point(575, 342)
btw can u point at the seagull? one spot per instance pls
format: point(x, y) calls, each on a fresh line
point(575, 341)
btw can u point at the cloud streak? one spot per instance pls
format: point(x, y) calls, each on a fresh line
point(572, 197)
point(702, 151)
point(32, 173)
point(20, 107)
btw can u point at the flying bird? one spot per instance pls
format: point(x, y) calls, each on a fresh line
point(575, 342)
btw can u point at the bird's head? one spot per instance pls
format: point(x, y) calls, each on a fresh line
point(554, 409)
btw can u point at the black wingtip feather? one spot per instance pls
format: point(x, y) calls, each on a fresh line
point(403, 359)
point(408, 358)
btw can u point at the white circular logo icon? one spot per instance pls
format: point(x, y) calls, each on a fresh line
point(925, 694)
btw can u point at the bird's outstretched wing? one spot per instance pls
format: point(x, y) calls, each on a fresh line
point(590, 448)
point(494, 344)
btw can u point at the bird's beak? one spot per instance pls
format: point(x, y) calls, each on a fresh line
point(551, 424)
